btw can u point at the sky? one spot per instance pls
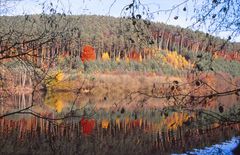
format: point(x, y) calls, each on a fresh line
point(106, 7)
point(115, 8)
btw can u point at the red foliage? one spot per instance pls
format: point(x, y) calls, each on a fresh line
point(88, 53)
point(87, 126)
point(134, 56)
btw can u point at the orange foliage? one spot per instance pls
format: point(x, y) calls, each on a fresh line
point(150, 52)
point(105, 124)
point(88, 54)
point(177, 120)
point(227, 55)
point(134, 56)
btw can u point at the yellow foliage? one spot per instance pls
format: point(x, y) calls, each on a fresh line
point(176, 60)
point(118, 122)
point(58, 100)
point(105, 124)
point(118, 59)
point(140, 58)
point(59, 76)
point(127, 120)
point(140, 122)
point(53, 79)
point(105, 56)
point(127, 60)
point(59, 106)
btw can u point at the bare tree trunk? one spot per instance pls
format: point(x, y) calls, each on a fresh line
point(161, 40)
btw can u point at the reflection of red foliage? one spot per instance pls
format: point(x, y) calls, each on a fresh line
point(136, 123)
point(87, 126)
point(134, 56)
point(88, 53)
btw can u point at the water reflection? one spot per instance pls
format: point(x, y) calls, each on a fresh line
point(59, 101)
point(124, 131)
point(87, 126)
point(15, 102)
point(118, 134)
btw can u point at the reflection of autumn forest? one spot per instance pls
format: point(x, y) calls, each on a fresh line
point(116, 135)
point(77, 84)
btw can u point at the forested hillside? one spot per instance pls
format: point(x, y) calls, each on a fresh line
point(117, 36)
point(60, 41)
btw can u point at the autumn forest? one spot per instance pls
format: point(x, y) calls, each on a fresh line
point(94, 84)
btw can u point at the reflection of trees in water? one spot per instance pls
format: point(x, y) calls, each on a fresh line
point(126, 135)
point(16, 102)
point(203, 92)
point(122, 133)
point(58, 101)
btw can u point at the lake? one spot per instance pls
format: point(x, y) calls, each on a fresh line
point(61, 123)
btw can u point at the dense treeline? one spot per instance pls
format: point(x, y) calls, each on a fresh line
point(46, 36)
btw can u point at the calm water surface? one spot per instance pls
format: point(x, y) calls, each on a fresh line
point(106, 131)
